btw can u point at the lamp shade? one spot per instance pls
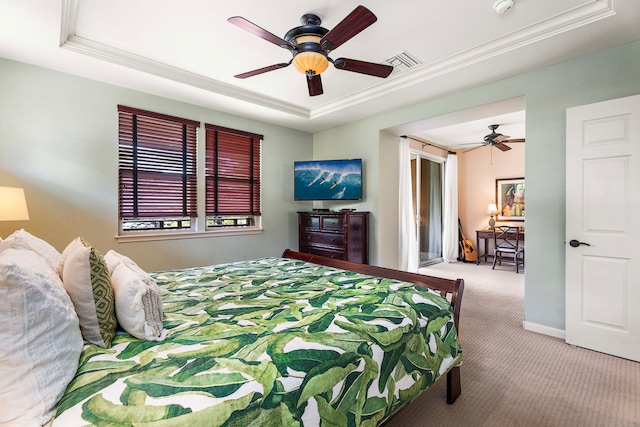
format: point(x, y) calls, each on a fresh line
point(13, 205)
point(492, 209)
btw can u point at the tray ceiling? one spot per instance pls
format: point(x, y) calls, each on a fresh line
point(188, 51)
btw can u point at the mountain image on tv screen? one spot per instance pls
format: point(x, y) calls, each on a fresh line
point(328, 180)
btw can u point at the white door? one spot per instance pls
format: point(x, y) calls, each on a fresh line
point(603, 227)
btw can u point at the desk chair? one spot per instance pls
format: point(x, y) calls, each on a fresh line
point(506, 241)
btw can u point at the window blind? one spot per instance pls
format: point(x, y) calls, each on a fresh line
point(157, 164)
point(232, 171)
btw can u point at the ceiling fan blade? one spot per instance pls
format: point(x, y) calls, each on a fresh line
point(511, 141)
point(363, 67)
point(474, 143)
point(314, 83)
point(352, 24)
point(259, 31)
point(502, 147)
point(501, 138)
point(474, 148)
point(262, 70)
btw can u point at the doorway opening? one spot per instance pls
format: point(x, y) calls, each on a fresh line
point(463, 132)
point(427, 175)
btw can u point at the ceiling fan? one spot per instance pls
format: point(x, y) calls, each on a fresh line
point(498, 140)
point(310, 45)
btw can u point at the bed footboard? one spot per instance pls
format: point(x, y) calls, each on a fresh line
point(450, 289)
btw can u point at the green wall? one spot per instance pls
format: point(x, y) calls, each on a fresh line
point(59, 140)
point(549, 92)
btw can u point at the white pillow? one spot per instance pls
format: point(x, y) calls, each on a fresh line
point(22, 239)
point(138, 302)
point(40, 336)
point(85, 277)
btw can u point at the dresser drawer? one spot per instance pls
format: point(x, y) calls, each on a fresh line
point(322, 239)
point(311, 222)
point(333, 223)
point(329, 253)
point(322, 222)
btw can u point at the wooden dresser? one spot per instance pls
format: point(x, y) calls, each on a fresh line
point(340, 235)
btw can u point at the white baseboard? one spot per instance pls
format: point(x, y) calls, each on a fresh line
point(545, 330)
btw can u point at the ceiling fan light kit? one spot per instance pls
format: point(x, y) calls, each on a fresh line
point(310, 45)
point(310, 62)
point(501, 6)
point(308, 57)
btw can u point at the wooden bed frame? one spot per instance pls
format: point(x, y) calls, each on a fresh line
point(450, 289)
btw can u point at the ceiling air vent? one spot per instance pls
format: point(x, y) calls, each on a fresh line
point(402, 62)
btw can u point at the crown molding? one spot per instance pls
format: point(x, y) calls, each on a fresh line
point(589, 12)
point(136, 62)
point(71, 41)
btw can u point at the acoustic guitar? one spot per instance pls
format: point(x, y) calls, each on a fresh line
point(469, 253)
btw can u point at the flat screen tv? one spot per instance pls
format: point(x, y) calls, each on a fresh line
point(328, 180)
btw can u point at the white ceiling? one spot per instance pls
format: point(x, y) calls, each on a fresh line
point(186, 50)
point(469, 134)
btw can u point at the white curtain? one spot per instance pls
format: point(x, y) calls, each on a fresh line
point(435, 209)
point(409, 256)
point(450, 217)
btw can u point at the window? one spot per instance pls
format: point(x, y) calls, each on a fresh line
point(232, 173)
point(158, 177)
point(157, 171)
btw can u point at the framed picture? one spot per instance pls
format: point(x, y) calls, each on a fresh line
point(510, 199)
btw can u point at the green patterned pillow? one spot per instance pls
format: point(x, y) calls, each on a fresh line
point(86, 279)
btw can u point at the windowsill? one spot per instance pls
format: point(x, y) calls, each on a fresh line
point(150, 236)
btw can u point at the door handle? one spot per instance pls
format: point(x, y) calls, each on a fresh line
point(575, 243)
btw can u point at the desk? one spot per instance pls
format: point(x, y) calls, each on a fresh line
point(487, 235)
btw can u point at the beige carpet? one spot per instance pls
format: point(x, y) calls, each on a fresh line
point(513, 377)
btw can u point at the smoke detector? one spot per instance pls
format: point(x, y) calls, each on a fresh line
point(501, 6)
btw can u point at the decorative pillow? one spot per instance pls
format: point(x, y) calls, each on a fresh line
point(40, 336)
point(22, 239)
point(138, 302)
point(85, 277)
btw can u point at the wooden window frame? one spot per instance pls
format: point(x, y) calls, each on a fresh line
point(232, 175)
point(157, 170)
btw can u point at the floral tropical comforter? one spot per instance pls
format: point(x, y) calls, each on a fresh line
point(269, 342)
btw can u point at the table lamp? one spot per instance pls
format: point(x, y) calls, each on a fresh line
point(13, 205)
point(492, 210)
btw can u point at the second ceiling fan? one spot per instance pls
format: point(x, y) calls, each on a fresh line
point(498, 140)
point(310, 45)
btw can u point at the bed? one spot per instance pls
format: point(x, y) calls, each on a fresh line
point(291, 340)
point(275, 341)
